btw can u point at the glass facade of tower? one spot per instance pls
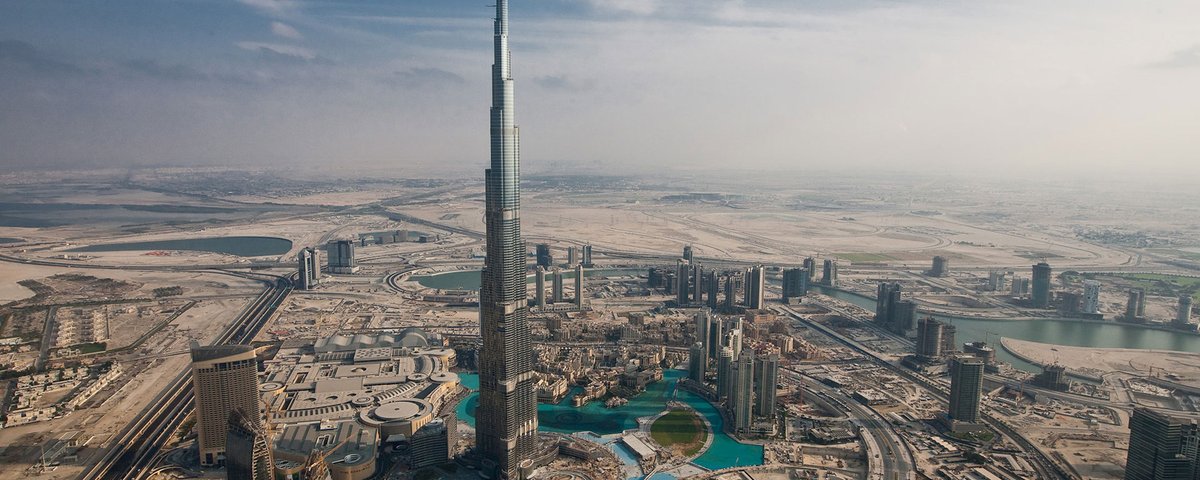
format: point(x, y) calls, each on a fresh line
point(506, 422)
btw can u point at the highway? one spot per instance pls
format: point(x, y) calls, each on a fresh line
point(1046, 468)
point(133, 452)
point(888, 457)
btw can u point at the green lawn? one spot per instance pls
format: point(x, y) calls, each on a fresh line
point(680, 428)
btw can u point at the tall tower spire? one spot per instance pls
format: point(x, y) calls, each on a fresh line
point(506, 422)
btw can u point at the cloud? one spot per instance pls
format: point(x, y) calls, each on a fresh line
point(20, 54)
point(423, 77)
point(286, 31)
point(284, 54)
point(1186, 58)
point(154, 69)
point(639, 7)
point(563, 83)
point(272, 6)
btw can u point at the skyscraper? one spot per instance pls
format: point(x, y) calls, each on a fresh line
point(341, 256)
point(697, 361)
point(556, 287)
point(766, 379)
point(687, 253)
point(587, 256)
point(540, 286)
point(703, 323)
point(929, 338)
point(698, 284)
point(741, 401)
point(224, 379)
point(966, 387)
point(810, 264)
point(544, 257)
point(1091, 296)
point(1041, 285)
point(247, 453)
point(683, 272)
point(1135, 307)
point(831, 273)
point(304, 276)
point(941, 266)
point(572, 259)
point(886, 296)
point(795, 283)
point(579, 286)
point(1162, 446)
point(712, 284)
point(506, 419)
point(756, 283)
point(725, 373)
point(1183, 313)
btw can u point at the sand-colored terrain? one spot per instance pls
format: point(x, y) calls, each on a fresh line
point(1096, 360)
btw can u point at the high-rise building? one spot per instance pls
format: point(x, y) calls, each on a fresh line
point(698, 284)
point(544, 258)
point(949, 345)
point(1020, 287)
point(556, 288)
point(767, 379)
point(247, 448)
point(715, 334)
point(697, 361)
point(341, 256)
point(756, 286)
point(309, 263)
point(434, 443)
point(687, 253)
point(996, 281)
point(304, 276)
point(683, 273)
point(810, 264)
point(1135, 307)
point(741, 401)
point(224, 379)
point(831, 273)
point(725, 372)
point(1183, 313)
point(579, 286)
point(713, 286)
point(1041, 285)
point(572, 257)
point(1162, 446)
point(540, 285)
point(941, 266)
point(587, 255)
point(506, 419)
point(904, 317)
point(703, 322)
point(929, 338)
point(730, 293)
point(1091, 296)
point(886, 296)
point(795, 283)
point(1069, 303)
point(966, 388)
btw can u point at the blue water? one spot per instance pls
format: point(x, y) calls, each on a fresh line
point(469, 279)
point(1055, 331)
point(563, 418)
point(240, 246)
point(10, 240)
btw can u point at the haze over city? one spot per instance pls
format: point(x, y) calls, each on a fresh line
point(599, 240)
point(1061, 88)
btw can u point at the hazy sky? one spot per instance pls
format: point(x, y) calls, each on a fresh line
point(1065, 86)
